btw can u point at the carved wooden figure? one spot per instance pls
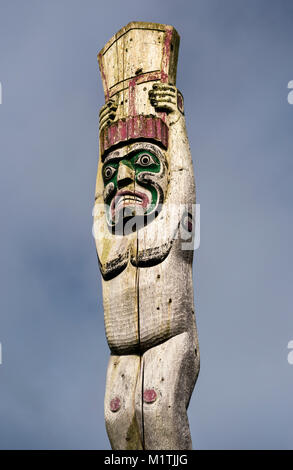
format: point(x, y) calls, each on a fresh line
point(143, 226)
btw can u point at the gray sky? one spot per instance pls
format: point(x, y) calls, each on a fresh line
point(235, 63)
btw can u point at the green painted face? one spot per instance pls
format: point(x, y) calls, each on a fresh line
point(134, 184)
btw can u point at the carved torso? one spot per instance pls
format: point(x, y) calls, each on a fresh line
point(145, 169)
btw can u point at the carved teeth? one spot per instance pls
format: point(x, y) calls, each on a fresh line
point(129, 199)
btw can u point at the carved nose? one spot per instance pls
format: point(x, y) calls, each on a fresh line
point(125, 175)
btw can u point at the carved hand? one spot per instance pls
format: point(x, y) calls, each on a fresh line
point(108, 113)
point(167, 98)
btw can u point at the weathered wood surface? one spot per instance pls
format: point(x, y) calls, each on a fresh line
point(145, 167)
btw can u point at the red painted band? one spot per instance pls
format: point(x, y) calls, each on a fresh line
point(133, 128)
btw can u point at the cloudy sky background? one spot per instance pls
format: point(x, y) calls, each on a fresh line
point(234, 66)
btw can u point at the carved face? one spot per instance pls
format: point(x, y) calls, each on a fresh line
point(135, 183)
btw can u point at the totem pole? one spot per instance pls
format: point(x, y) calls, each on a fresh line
point(143, 228)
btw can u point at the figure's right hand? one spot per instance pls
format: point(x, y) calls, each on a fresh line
point(107, 113)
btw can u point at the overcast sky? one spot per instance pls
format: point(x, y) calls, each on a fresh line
point(235, 62)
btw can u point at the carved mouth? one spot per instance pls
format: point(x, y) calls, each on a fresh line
point(129, 198)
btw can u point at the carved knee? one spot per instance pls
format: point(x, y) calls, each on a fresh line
point(121, 424)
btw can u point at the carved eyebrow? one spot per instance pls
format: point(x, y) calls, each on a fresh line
point(110, 162)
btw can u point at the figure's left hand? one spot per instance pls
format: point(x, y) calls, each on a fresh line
point(164, 97)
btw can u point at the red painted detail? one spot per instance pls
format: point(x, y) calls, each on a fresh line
point(162, 115)
point(166, 56)
point(134, 127)
point(122, 129)
point(132, 85)
point(189, 226)
point(149, 396)
point(115, 404)
point(101, 64)
point(146, 77)
point(113, 131)
point(150, 127)
point(166, 62)
point(119, 200)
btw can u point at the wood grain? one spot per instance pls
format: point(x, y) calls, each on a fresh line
point(146, 272)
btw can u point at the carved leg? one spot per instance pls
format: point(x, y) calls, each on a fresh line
point(169, 374)
point(121, 424)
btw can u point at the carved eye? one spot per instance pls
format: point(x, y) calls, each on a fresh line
point(145, 160)
point(109, 172)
